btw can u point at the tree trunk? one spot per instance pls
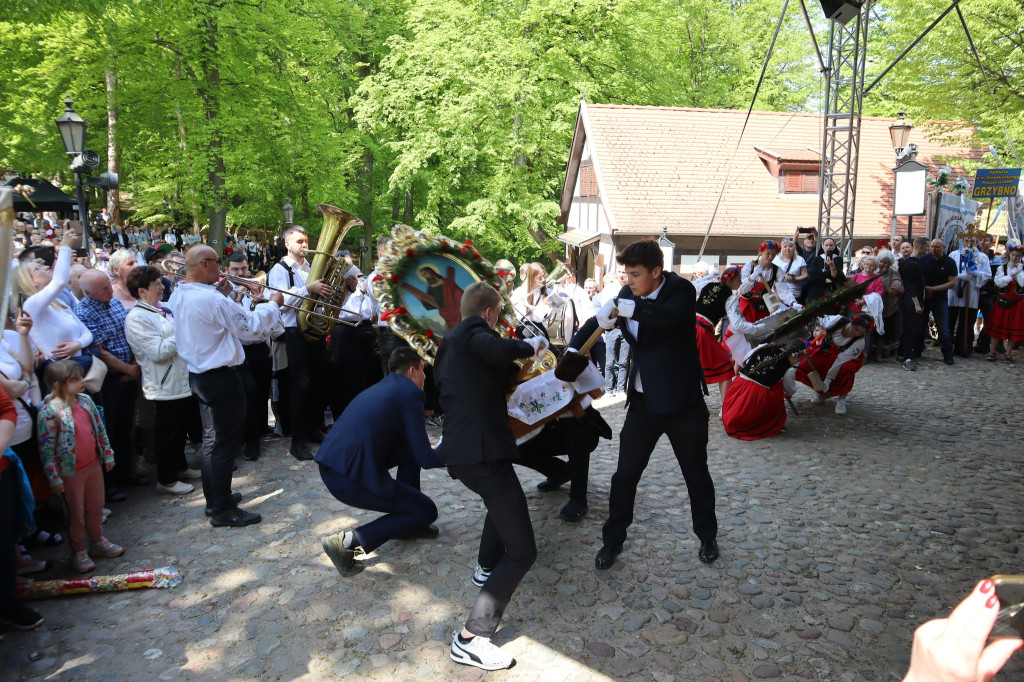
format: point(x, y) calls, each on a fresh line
point(407, 215)
point(183, 133)
point(113, 155)
point(218, 210)
point(365, 260)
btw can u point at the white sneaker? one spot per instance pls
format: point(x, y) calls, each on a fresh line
point(179, 488)
point(189, 475)
point(817, 399)
point(480, 652)
point(106, 513)
point(480, 576)
point(841, 406)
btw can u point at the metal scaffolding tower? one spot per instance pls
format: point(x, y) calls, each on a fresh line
point(840, 148)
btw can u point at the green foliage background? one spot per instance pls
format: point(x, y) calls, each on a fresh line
point(454, 116)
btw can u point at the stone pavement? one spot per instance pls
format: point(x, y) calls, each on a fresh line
point(838, 538)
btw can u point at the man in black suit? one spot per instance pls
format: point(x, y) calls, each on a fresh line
point(382, 428)
point(656, 312)
point(472, 372)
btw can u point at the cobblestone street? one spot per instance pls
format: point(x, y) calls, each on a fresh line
point(838, 538)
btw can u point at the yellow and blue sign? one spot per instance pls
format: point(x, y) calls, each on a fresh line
point(996, 183)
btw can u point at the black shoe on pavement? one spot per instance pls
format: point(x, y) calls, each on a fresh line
point(948, 361)
point(234, 516)
point(252, 451)
point(573, 511)
point(235, 499)
point(708, 551)
point(300, 452)
point(549, 484)
point(114, 494)
point(20, 617)
point(424, 533)
point(133, 480)
point(606, 557)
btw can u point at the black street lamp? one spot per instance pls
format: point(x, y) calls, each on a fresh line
point(900, 133)
point(72, 129)
point(289, 212)
point(72, 133)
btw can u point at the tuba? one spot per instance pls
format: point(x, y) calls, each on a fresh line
point(324, 265)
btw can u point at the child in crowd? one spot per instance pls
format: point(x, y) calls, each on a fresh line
point(72, 444)
point(817, 334)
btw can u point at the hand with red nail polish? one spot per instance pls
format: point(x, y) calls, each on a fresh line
point(953, 649)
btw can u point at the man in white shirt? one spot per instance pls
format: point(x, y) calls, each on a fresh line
point(209, 329)
point(354, 341)
point(305, 358)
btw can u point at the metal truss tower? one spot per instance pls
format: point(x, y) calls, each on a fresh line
point(847, 54)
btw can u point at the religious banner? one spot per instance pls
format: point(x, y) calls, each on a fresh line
point(954, 214)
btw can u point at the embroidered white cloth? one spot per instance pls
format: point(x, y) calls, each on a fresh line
point(545, 394)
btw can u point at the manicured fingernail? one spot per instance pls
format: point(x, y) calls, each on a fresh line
point(992, 602)
point(985, 587)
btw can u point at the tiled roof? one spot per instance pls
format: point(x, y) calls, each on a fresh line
point(661, 166)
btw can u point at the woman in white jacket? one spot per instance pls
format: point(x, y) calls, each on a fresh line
point(149, 329)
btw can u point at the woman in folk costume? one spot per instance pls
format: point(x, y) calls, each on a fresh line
point(715, 359)
point(1006, 322)
point(740, 331)
point(759, 277)
point(754, 406)
point(837, 360)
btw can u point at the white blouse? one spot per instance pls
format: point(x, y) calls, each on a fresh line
point(53, 326)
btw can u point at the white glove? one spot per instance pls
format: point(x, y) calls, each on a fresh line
point(606, 315)
point(825, 385)
point(540, 346)
point(964, 275)
point(626, 308)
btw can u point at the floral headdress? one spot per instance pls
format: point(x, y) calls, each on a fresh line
point(729, 273)
point(769, 244)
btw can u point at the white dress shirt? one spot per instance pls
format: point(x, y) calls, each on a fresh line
point(209, 327)
point(634, 329)
point(278, 278)
point(359, 305)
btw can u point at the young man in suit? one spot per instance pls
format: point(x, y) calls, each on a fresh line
point(382, 427)
point(655, 312)
point(477, 446)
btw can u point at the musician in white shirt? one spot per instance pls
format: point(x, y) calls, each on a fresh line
point(354, 341)
point(305, 358)
point(209, 329)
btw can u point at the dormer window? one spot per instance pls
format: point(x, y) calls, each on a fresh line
point(796, 171)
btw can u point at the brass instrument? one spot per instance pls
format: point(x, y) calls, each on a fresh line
point(329, 269)
point(177, 270)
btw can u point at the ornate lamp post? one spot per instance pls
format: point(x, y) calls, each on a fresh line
point(289, 212)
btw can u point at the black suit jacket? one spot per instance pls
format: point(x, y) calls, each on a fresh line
point(472, 371)
point(665, 351)
point(381, 428)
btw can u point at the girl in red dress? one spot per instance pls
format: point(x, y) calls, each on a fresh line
point(837, 360)
point(754, 406)
point(1006, 323)
point(715, 359)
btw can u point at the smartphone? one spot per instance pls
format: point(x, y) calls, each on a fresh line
point(1010, 622)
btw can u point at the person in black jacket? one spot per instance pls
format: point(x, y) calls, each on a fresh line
point(911, 300)
point(824, 271)
point(477, 446)
point(656, 312)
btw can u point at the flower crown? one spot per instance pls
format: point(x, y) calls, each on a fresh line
point(862, 321)
point(768, 244)
point(730, 272)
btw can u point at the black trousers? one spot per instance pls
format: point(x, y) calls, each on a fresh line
point(8, 536)
point(961, 329)
point(408, 510)
point(306, 367)
point(172, 419)
point(985, 303)
point(221, 405)
point(119, 417)
point(389, 341)
point(913, 326)
point(256, 373)
point(576, 438)
point(687, 430)
point(507, 545)
point(598, 355)
point(353, 350)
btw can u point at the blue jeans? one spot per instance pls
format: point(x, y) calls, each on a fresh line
point(407, 511)
point(615, 360)
point(938, 306)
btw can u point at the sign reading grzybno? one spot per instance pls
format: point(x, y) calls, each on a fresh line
point(996, 183)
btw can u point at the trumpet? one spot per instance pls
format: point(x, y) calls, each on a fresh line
point(177, 270)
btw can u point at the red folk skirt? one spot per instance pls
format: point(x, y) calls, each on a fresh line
point(822, 361)
point(751, 412)
point(1006, 324)
point(715, 359)
point(749, 308)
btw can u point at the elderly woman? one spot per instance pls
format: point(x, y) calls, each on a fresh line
point(150, 332)
point(868, 269)
point(56, 332)
point(122, 262)
point(892, 290)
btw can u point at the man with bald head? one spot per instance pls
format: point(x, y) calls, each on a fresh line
point(121, 385)
point(940, 274)
point(209, 329)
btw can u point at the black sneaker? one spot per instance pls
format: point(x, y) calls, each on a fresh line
point(234, 516)
point(300, 452)
point(21, 617)
point(252, 451)
point(573, 511)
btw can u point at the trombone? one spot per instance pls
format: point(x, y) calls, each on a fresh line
point(177, 270)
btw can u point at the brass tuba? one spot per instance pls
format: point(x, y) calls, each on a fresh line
point(325, 266)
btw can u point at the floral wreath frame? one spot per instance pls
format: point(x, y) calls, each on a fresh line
point(404, 248)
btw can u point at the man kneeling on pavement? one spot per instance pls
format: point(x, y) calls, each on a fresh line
point(383, 427)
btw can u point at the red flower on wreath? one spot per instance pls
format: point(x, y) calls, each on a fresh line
point(410, 253)
point(392, 277)
point(429, 333)
point(467, 246)
point(394, 312)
